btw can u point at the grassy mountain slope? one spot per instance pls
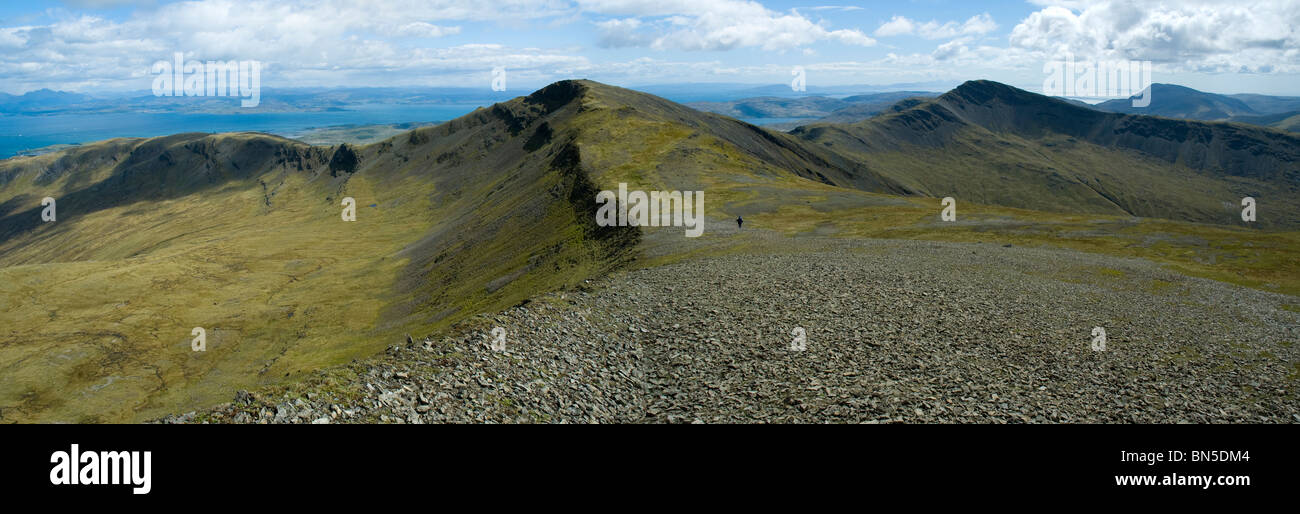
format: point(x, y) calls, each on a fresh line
point(1268, 104)
point(866, 109)
point(990, 143)
point(1288, 121)
point(242, 235)
point(1171, 101)
point(652, 143)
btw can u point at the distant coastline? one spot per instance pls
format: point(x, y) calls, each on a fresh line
point(22, 134)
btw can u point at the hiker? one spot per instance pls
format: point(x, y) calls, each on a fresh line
point(739, 221)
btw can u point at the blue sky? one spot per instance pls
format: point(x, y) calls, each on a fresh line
point(106, 45)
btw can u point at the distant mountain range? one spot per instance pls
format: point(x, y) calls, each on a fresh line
point(1173, 101)
point(787, 109)
point(316, 99)
point(818, 108)
point(309, 99)
point(1168, 100)
point(1001, 145)
point(39, 100)
point(724, 92)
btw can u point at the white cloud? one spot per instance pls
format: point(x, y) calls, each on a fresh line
point(900, 25)
point(897, 26)
point(422, 29)
point(295, 40)
point(620, 33)
point(713, 25)
point(99, 4)
point(950, 50)
point(1185, 35)
point(324, 42)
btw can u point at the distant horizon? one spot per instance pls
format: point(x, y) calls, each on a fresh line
point(1208, 46)
point(526, 89)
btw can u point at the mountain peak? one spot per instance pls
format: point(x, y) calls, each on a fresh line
point(558, 94)
point(983, 91)
point(1174, 101)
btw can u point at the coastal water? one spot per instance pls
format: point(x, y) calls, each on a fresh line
point(24, 132)
point(770, 121)
point(19, 133)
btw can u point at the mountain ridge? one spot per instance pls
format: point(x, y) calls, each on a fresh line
point(1048, 144)
point(1174, 101)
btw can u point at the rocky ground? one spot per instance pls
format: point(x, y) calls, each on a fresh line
point(895, 331)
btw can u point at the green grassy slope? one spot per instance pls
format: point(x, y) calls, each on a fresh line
point(989, 143)
point(1288, 121)
point(627, 138)
point(241, 233)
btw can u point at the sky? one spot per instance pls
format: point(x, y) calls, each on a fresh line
point(101, 46)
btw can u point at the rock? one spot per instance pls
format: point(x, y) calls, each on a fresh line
point(926, 333)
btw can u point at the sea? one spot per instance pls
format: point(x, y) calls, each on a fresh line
point(20, 133)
